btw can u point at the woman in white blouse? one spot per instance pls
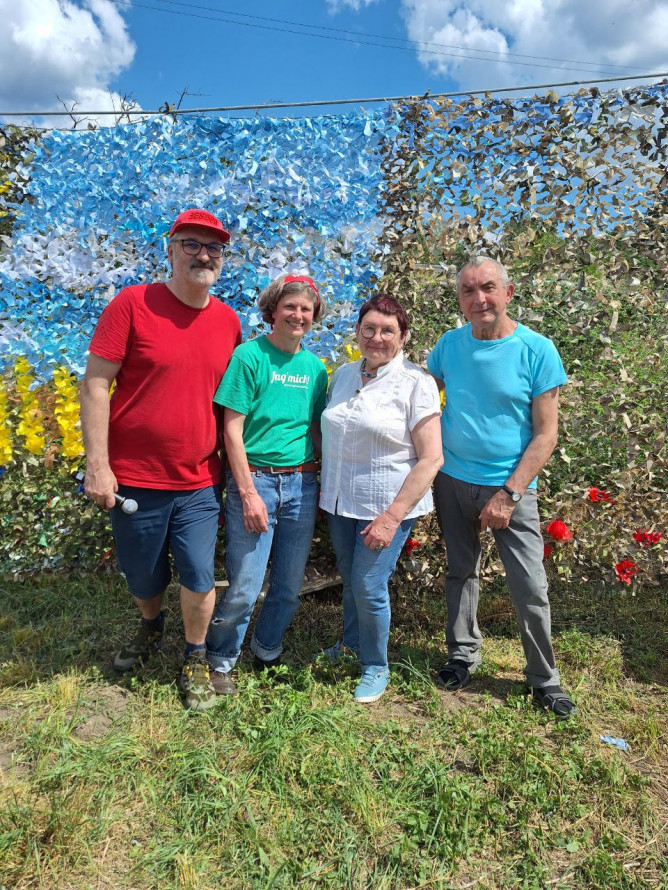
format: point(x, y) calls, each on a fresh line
point(381, 449)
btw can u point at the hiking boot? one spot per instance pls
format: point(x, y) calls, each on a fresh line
point(195, 683)
point(372, 685)
point(223, 683)
point(140, 649)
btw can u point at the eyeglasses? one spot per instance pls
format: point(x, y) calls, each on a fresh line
point(193, 248)
point(386, 334)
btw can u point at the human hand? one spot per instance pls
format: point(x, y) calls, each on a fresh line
point(100, 485)
point(256, 518)
point(497, 512)
point(379, 533)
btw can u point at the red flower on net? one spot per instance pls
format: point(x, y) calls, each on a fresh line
point(598, 494)
point(646, 538)
point(625, 570)
point(411, 545)
point(559, 531)
point(547, 550)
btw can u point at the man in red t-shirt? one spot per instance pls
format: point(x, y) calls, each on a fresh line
point(156, 439)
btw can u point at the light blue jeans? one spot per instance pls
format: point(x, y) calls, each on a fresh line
point(365, 574)
point(292, 500)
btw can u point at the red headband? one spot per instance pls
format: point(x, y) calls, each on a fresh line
point(304, 279)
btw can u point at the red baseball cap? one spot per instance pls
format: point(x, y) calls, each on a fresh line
point(203, 220)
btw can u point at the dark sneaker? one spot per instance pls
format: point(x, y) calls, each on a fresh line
point(195, 683)
point(145, 643)
point(223, 684)
point(259, 664)
point(272, 667)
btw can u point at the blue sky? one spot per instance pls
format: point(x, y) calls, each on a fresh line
point(234, 60)
point(88, 53)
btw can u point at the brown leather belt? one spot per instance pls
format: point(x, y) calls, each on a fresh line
point(311, 467)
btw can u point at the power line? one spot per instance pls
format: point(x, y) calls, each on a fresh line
point(412, 43)
point(357, 41)
point(139, 112)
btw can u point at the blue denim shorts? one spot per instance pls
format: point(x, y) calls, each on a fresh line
point(184, 521)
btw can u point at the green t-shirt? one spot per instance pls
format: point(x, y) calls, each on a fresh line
point(281, 394)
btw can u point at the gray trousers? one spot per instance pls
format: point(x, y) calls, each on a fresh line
point(458, 506)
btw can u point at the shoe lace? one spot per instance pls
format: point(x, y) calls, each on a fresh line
point(370, 677)
point(196, 671)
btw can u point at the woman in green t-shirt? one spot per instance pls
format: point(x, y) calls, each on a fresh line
point(273, 394)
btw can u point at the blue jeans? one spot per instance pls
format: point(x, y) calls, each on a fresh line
point(292, 500)
point(365, 574)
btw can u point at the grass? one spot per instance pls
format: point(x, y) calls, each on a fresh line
point(106, 782)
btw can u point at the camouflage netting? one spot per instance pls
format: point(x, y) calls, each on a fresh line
point(567, 191)
point(570, 194)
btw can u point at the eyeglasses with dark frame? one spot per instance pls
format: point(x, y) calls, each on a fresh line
point(193, 248)
point(386, 334)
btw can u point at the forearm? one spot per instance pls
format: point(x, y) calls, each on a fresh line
point(94, 403)
point(498, 510)
point(426, 437)
point(316, 436)
point(253, 507)
point(415, 486)
point(380, 531)
point(100, 482)
point(536, 455)
point(237, 462)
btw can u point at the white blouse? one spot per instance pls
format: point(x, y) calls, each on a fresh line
point(367, 450)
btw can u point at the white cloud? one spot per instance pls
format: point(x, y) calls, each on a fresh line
point(355, 5)
point(487, 44)
point(52, 50)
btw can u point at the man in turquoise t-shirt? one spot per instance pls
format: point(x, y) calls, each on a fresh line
point(499, 428)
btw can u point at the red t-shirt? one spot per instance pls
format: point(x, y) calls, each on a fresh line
point(163, 427)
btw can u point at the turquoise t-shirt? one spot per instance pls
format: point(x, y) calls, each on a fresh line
point(281, 394)
point(489, 386)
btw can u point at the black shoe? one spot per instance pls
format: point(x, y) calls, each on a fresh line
point(259, 664)
point(272, 667)
point(556, 701)
point(454, 675)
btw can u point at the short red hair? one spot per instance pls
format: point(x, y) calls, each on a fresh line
point(387, 305)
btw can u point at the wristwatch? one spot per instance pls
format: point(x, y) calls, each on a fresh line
point(515, 495)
